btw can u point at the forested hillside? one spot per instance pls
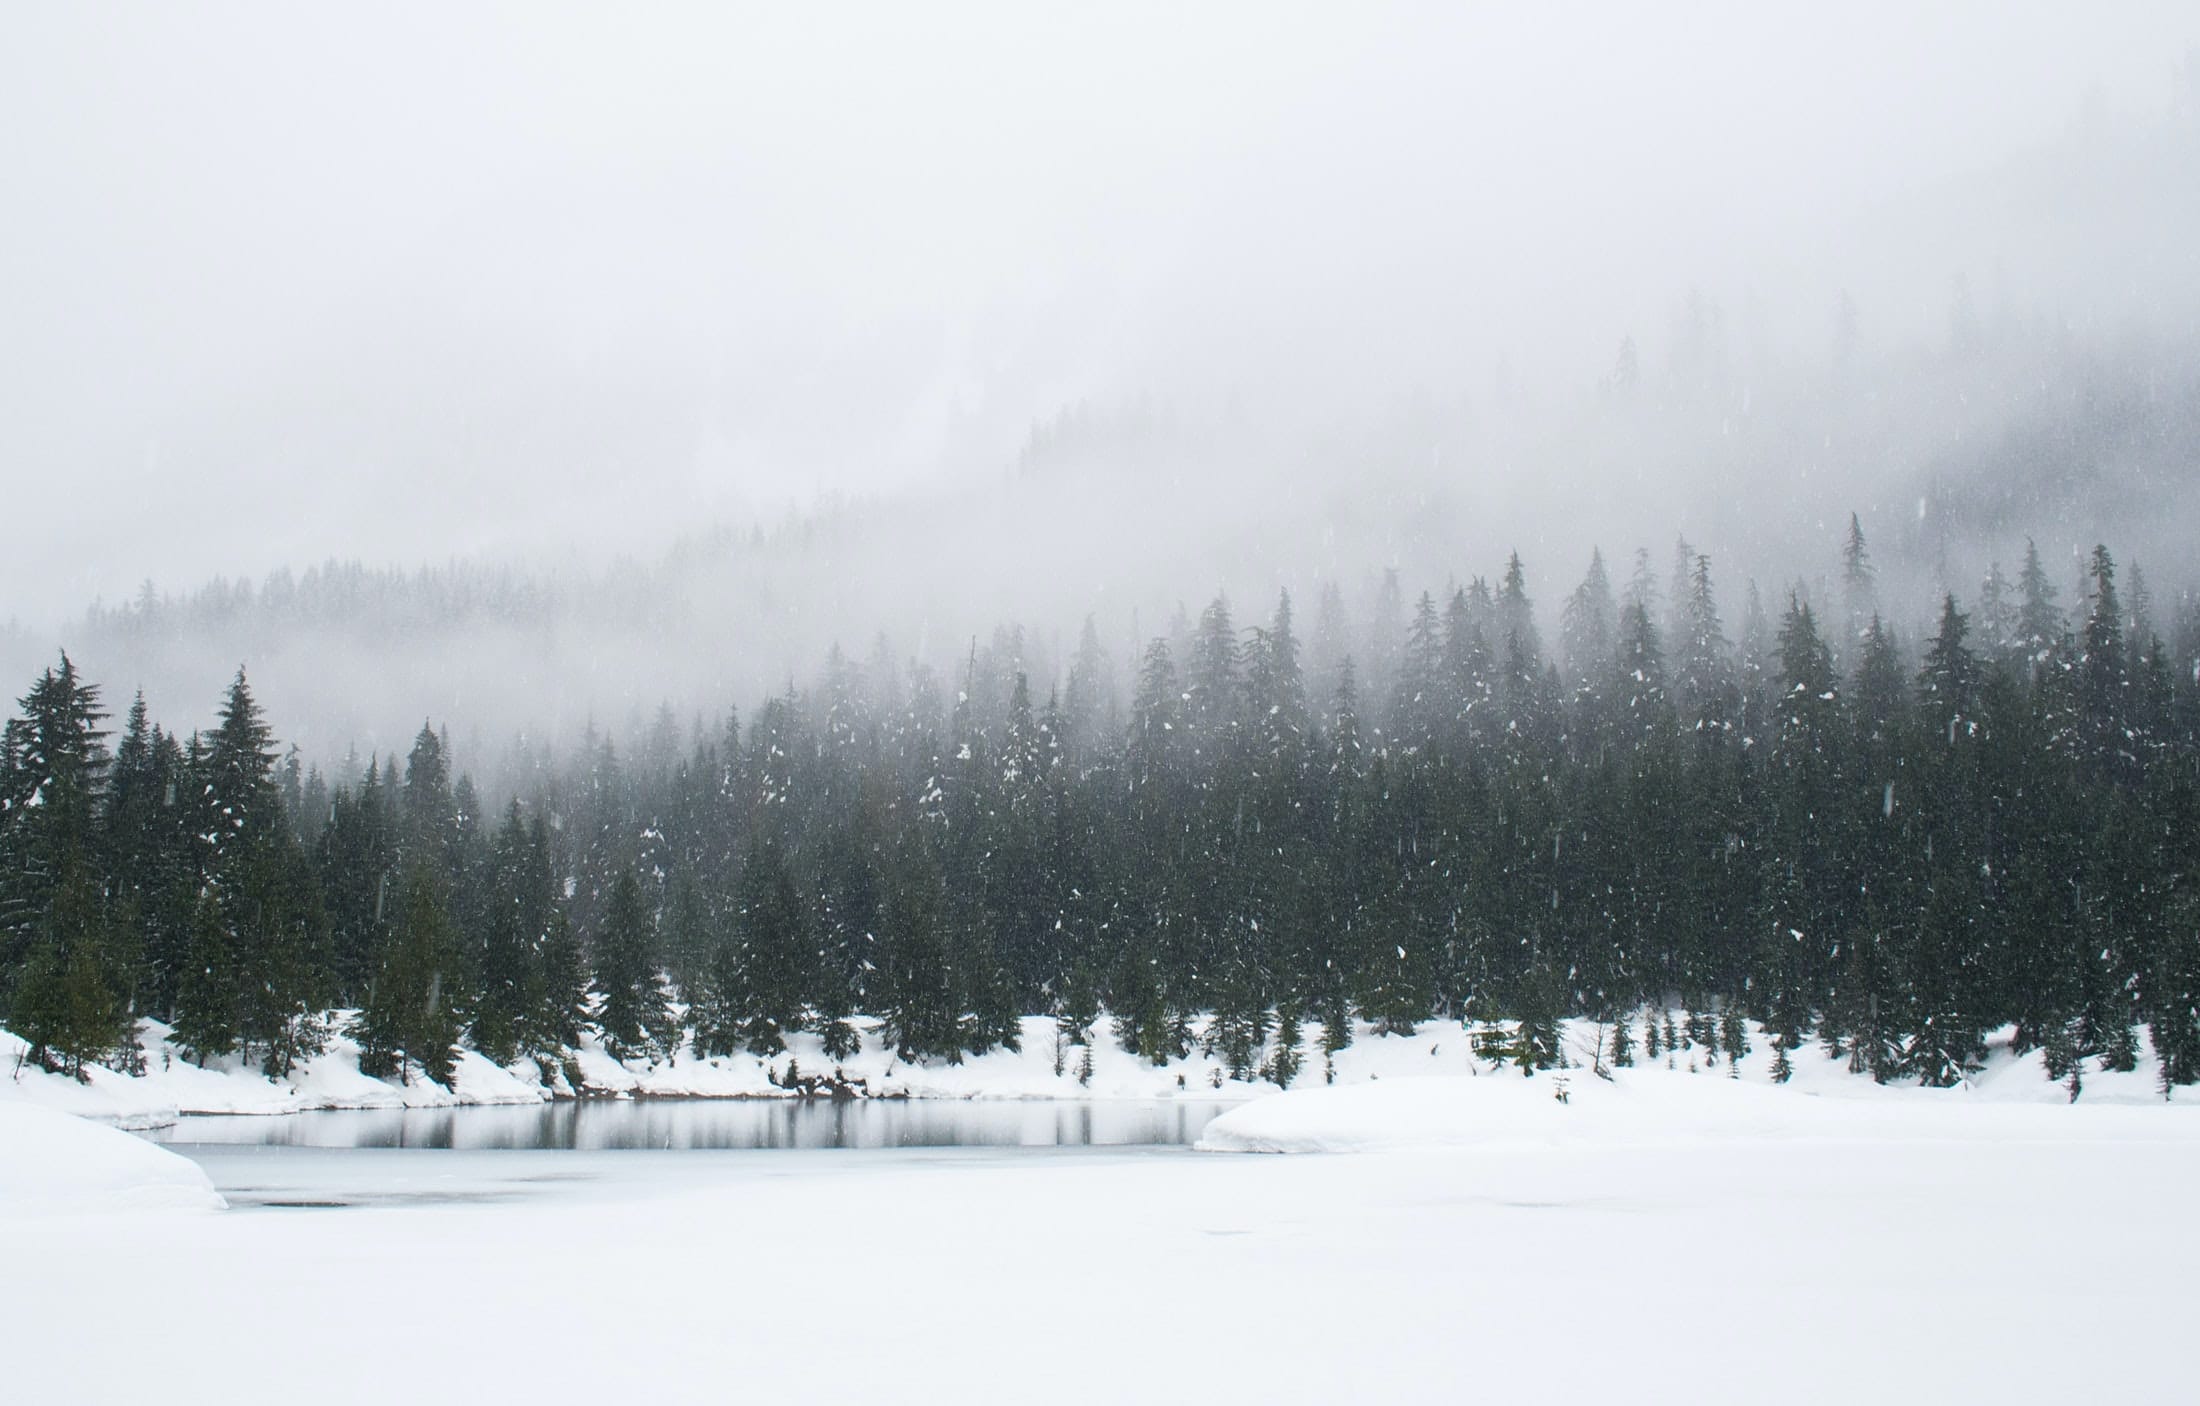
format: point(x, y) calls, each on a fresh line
point(1423, 810)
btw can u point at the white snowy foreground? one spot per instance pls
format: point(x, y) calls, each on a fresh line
point(1662, 1237)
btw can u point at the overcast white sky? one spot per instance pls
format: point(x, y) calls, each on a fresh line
point(279, 282)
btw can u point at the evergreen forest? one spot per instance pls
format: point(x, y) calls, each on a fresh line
point(1889, 838)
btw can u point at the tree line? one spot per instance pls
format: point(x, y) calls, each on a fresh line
point(1889, 847)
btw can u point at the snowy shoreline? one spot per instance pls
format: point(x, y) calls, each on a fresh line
point(173, 1087)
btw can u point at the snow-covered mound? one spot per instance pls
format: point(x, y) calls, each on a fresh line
point(1664, 1105)
point(1403, 1112)
point(54, 1163)
point(1496, 1106)
point(101, 1094)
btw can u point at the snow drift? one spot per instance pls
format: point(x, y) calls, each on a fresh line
point(53, 1162)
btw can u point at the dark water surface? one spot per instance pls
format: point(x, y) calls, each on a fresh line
point(616, 1124)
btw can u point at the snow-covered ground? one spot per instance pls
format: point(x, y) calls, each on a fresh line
point(1659, 1238)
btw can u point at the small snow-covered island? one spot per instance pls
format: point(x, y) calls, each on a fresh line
point(985, 703)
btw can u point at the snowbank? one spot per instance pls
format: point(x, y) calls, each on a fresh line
point(1404, 1112)
point(54, 1163)
point(173, 1085)
point(102, 1094)
point(1689, 1100)
point(1498, 1106)
point(1027, 1072)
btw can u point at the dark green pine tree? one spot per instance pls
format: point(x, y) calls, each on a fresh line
point(1703, 684)
point(430, 826)
point(1089, 699)
point(1806, 669)
point(633, 1011)
point(151, 860)
point(1077, 1006)
point(915, 989)
point(2174, 1022)
point(1997, 618)
point(207, 1022)
point(1211, 682)
point(408, 1019)
point(283, 947)
point(241, 794)
point(1140, 1005)
point(2039, 622)
point(1859, 585)
point(2170, 990)
point(511, 933)
point(2103, 676)
point(1878, 696)
point(565, 1007)
point(356, 856)
point(275, 925)
point(1156, 720)
point(1948, 684)
point(1283, 1064)
point(717, 999)
point(986, 998)
point(1589, 629)
point(1469, 682)
point(774, 957)
point(1733, 1035)
point(1275, 692)
point(1538, 1000)
point(1637, 710)
point(1516, 627)
point(1623, 1043)
point(1347, 752)
point(65, 1003)
point(65, 974)
point(1416, 711)
point(138, 856)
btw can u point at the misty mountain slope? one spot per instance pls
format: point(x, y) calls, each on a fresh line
point(2109, 452)
point(1132, 515)
point(1992, 344)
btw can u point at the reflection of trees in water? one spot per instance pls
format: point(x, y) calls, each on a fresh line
point(633, 1124)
